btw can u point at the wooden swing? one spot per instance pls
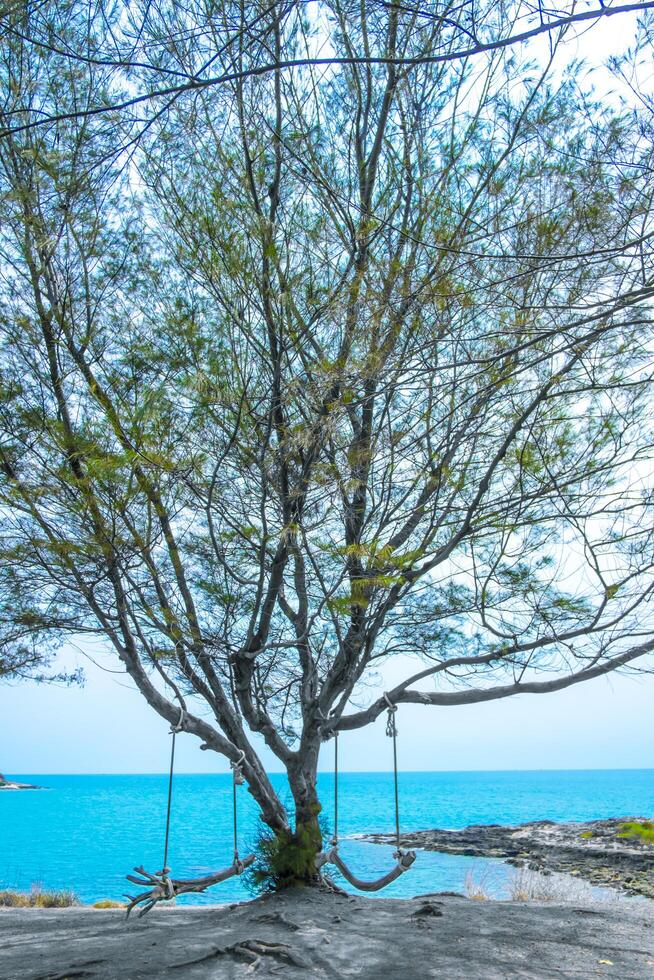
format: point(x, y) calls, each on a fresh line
point(403, 857)
point(160, 886)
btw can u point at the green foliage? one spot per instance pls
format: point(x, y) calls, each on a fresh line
point(284, 859)
point(643, 830)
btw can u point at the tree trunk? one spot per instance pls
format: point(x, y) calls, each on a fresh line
point(292, 853)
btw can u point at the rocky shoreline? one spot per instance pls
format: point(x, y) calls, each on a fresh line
point(9, 784)
point(592, 850)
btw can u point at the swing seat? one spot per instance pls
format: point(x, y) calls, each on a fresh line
point(163, 889)
point(404, 861)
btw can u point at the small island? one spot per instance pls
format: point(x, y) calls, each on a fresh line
point(10, 784)
point(615, 853)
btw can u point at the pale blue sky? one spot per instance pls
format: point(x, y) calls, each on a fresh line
point(107, 727)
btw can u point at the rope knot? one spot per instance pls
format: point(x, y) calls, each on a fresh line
point(166, 887)
point(324, 733)
point(327, 724)
point(237, 770)
point(179, 727)
point(391, 727)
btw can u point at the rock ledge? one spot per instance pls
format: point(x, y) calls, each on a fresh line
point(10, 784)
point(592, 850)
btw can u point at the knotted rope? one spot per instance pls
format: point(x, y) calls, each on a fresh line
point(165, 870)
point(160, 885)
point(391, 731)
point(237, 780)
point(404, 858)
point(335, 835)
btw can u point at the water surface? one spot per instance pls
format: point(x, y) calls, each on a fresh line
point(86, 832)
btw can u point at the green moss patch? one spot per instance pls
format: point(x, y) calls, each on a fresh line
point(639, 830)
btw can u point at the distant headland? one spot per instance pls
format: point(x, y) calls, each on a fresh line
point(10, 784)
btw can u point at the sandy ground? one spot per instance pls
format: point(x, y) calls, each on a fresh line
point(309, 933)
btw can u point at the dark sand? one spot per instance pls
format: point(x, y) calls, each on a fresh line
point(311, 933)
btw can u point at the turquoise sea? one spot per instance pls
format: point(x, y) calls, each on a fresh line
point(86, 832)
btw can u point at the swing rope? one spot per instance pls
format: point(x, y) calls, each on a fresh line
point(335, 836)
point(391, 731)
point(174, 729)
point(161, 887)
point(237, 780)
point(404, 858)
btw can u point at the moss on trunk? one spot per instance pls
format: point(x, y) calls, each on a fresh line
point(288, 858)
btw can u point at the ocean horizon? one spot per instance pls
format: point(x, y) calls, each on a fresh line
point(327, 771)
point(84, 832)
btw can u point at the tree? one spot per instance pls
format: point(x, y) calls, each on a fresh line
point(324, 365)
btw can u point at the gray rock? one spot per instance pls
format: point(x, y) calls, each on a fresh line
point(591, 849)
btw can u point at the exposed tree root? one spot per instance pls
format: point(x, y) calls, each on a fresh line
point(249, 951)
point(277, 919)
